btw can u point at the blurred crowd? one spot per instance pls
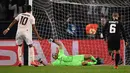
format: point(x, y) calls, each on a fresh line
point(10, 8)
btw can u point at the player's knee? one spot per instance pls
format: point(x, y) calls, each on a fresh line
point(30, 45)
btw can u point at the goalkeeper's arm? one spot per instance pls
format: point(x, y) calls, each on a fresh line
point(58, 43)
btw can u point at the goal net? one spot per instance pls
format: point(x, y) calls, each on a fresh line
point(78, 25)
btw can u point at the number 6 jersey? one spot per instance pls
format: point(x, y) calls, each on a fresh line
point(113, 29)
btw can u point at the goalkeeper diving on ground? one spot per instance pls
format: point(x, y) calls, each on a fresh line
point(73, 60)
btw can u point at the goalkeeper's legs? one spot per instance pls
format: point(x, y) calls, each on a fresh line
point(32, 57)
point(88, 63)
point(89, 57)
point(86, 57)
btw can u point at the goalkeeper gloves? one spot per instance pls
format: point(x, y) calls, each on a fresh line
point(51, 40)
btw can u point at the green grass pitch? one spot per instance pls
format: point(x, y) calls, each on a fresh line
point(64, 69)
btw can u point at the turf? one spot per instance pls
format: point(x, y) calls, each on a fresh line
point(64, 69)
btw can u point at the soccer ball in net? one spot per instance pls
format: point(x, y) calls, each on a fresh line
point(92, 31)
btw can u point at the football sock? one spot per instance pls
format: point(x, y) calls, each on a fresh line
point(32, 58)
point(20, 53)
point(117, 58)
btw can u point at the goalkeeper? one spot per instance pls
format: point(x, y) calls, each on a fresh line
point(76, 60)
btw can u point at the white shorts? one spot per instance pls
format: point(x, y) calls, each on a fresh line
point(23, 36)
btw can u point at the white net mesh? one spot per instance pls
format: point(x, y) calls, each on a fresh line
point(67, 20)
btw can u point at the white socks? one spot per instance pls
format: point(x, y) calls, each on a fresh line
point(20, 53)
point(31, 53)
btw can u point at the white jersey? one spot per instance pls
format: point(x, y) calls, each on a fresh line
point(25, 21)
point(24, 30)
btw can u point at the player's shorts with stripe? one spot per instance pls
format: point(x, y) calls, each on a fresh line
point(113, 43)
point(23, 36)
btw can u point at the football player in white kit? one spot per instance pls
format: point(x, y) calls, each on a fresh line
point(26, 22)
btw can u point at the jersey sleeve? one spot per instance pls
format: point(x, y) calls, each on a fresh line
point(32, 20)
point(17, 17)
point(64, 57)
point(61, 52)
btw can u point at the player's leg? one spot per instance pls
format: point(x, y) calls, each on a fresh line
point(32, 56)
point(19, 41)
point(117, 58)
point(111, 47)
point(111, 53)
point(28, 40)
point(116, 47)
point(87, 56)
point(88, 63)
point(20, 54)
point(82, 60)
point(31, 53)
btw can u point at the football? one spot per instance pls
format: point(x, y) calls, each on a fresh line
point(92, 31)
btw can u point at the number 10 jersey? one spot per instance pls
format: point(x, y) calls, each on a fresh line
point(24, 30)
